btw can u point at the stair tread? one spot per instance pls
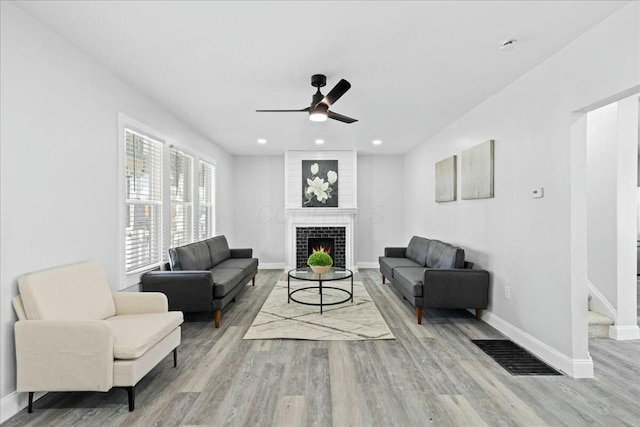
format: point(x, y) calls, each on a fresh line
point(596, 318)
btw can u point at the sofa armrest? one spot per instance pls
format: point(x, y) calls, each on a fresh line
point(140, 302)
point(242, 253)
point(188, 291)
point(395, 252)
point(455, 288)
point(64, 355)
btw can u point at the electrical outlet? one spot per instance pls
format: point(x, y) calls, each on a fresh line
point(507, 293)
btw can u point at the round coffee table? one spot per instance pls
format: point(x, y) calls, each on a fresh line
point(305, 274)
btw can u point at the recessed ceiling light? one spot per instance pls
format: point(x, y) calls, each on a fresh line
point(376, 142)
point(319, 141)
point(262, 141)
point(508, 44)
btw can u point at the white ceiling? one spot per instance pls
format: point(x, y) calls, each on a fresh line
point(414, 66)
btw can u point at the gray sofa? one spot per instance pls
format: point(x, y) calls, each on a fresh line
point(205, 276)
point(433, 274)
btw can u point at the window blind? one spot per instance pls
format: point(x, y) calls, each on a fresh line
point(181, 198)
point(143, 216)
point(207, 197)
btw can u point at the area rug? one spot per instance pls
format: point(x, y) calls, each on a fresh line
point(350, 321)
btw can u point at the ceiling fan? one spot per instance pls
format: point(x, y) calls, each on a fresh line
point(319, 108)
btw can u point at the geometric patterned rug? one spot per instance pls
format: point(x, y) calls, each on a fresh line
point(350, 321)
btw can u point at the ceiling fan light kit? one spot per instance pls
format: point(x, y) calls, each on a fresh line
point(320, 104)
point(319, 113)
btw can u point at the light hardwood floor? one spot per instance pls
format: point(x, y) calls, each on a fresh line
point(431, 375)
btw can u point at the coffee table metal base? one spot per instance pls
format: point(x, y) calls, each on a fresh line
point(321, 303)
point(320, 288)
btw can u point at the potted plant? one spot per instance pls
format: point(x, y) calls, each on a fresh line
point(320, 262)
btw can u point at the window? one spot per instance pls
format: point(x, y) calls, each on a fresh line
point(207, 189)
point(143, 205)
point(181, 166)
point(167, 198)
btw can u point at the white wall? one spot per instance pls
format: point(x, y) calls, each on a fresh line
point(59, 170)
point(602, 129)
point(259, 208)
point(380, 217)
point(524, 242)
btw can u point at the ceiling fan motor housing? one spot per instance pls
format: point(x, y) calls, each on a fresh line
point(318, 80)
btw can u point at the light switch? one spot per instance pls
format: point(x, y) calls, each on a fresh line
point(538, 193)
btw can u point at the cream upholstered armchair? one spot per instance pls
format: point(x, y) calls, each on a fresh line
point(74, 334)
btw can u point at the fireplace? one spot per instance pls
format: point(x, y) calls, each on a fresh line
point(324, 244)
point(308, 238)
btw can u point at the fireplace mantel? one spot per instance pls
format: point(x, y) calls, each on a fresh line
point(320, 217)
point(320, 212)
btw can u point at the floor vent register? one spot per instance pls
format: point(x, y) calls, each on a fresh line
point(514, 358)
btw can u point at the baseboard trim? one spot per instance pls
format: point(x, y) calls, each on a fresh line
point(576, 368)
point(271, 266)
point(369, 265)
point(623, 333)
point(14, 403)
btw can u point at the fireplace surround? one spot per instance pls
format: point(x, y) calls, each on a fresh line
point(323, 222)
point(321, 235)
point(298, 216)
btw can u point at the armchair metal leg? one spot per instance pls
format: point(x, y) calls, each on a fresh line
point(419, 315)
point(30, 408)
point(131, 391)
point(175, 357)
point(254, 280)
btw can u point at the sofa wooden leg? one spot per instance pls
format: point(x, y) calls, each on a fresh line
point(131, 391)
point(30, 407)
point(216, 317)
point(419, 315)
point(382, 278)
point(175, 357)
point(254, 280)
point(478, 313)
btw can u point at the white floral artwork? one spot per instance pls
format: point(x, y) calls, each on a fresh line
point(319, 183)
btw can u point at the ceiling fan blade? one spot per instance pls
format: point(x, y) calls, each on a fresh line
point(284, 111)
point(340, 117)
point(338, 90)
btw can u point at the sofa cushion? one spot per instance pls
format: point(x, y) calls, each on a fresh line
point(73, 292)
point(410, 279)
point(194, 256)
point(388, 264)
point(443, 255)
point(218, 249)
point(225, 279)
point(417, 249)
point(247, 265)
point(134, 334)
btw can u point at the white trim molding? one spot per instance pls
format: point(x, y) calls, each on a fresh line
point(599, 302)
point(271, 266)
point(576, 368)
point(374, 264)
point(14, 403)
point(623, 333)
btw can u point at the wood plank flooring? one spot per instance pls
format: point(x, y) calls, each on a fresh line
point(431, 375)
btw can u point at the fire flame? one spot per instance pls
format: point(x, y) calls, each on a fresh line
point(321, 249)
